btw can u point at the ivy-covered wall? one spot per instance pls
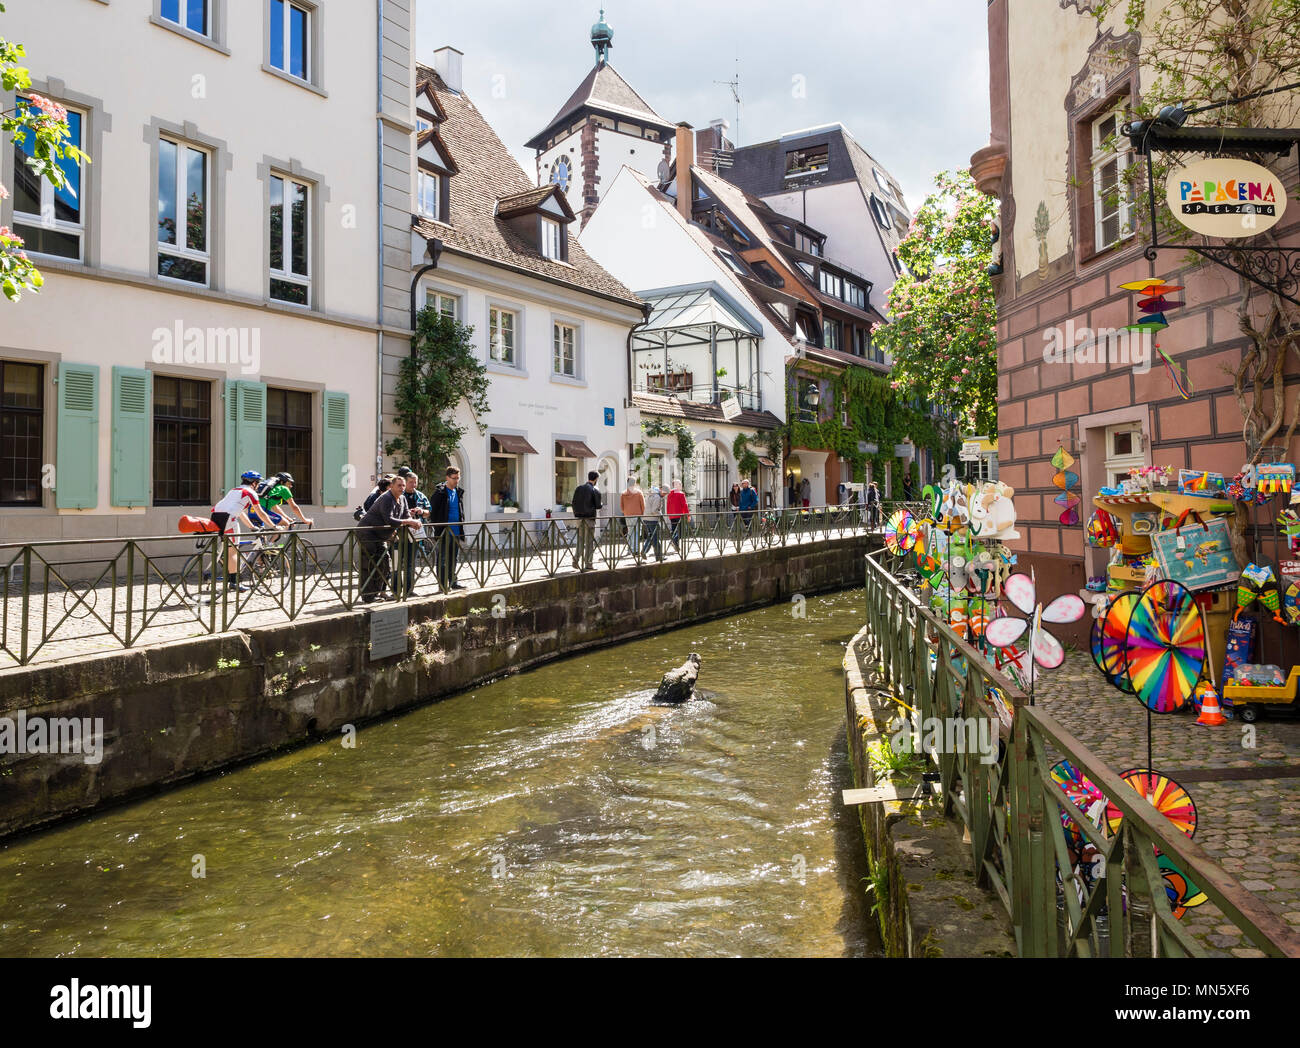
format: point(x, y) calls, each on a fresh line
point(877, 415)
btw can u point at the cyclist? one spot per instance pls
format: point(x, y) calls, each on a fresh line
point(280, 493)
point(229, 513)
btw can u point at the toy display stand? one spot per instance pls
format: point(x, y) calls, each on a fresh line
point(1222, 602)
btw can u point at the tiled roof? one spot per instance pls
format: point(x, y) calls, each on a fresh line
point(671, 407)
point(863, 164)
point(604, 90)
point(529, 200)
point(488, 173)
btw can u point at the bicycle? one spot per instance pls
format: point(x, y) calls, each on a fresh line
point(262, 556)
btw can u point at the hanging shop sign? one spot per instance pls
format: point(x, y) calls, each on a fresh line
point(1225, 197)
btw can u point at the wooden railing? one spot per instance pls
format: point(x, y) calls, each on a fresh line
point(1013, 808)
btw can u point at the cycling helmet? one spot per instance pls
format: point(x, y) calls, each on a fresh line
point(252, 475)
point(285, 478)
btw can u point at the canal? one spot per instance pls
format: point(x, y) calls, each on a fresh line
point(553, 813)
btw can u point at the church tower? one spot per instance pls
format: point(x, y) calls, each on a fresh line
point(603, 126)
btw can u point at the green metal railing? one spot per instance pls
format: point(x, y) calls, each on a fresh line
point(1013, 808)
point(66, 598)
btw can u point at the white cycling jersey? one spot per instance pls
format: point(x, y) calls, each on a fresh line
point(237, 501)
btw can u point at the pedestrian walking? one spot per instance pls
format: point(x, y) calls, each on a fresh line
point(631, 503)
point(447, 512)
point(733, 498)
point(805, 493)
point(873, 506)
point(586, 504)
point(678, 510)
point(654, 511)
point(377, 526)
point(747, 502)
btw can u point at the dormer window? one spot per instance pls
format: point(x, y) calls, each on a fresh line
point(427, 194)
point(553, 239)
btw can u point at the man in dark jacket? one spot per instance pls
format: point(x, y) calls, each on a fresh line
point(447, 514)
point(377, 525)
point(586, 504)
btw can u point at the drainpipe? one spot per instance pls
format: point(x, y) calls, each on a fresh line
point(646, 310)
point(433, 252)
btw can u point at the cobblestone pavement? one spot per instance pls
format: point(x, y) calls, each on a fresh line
point(1251, 826)
point(73, 619)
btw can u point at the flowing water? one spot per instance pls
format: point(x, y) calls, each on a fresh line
point(552, 813)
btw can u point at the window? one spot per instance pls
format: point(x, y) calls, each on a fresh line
point(767, 274)
point(808, 245)
point(1123, 451)
point(288, 438)
point(566, 476)
point(190, 14)
point(807, 161)
point(290, 242)
point(182, 212)
point(881, 212)
point(560, 174)
point(50, 221)
point(832, 285)
point(566, 350)
point(501, 344)
point(730, 259)
point(447, 305)
point(831, 334)
point(552, 239)
point(182, 441)
point(427, 194)
point(422, 124)
point(290, 36)
point(504, 477)
point(881, 181)
point(1112, 212)
point(21, 428)
point(855, 294)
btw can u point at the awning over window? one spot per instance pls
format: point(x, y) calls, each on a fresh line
point(507, 444)
point(573, 449)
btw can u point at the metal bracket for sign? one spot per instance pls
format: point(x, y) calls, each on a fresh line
point(1276, 269)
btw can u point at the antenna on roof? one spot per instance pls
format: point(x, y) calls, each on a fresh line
point(734, 84)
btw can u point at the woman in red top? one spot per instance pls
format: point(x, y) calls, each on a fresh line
point(677, 511)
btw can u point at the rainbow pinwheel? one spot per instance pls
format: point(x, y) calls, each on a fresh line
point(1164, 646)
point(1165, 795)
point(1154, 306)
point(1047, 650)
point(1065, 478)
point(1109, 632)
point(1085, 796)
point(1182, 894)
point(899, 537)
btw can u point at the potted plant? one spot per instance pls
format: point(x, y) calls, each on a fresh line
point(509, 506)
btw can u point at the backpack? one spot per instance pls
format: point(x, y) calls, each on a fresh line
point(361, 510)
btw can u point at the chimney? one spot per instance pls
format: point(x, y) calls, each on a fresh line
point(685, 159)
point(446, 63)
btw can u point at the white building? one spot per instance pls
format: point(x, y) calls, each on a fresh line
point(551, 324)
point(604, 126)
point(708, 339)
point(213, 291)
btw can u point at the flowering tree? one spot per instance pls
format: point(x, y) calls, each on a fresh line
point(40, 128)
point(942, 336)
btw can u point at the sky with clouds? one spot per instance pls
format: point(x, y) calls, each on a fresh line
point(909, 80)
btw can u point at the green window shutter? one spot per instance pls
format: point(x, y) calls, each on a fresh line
point(76, 474)
point(245, 429)
point(231, 426)
point(132, 433)
point(334, 407)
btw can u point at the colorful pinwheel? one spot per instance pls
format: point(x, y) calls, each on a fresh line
point(1065, 478)
point(1085, 796)
point(1047, 650)
point(1164, 646)
point(1153, 305)
point(1182, 894)
point(1109, 632)
point(1165, 795)
point(898, 532)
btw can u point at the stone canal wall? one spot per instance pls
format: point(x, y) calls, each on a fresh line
point(922, 886)
point(175, 711)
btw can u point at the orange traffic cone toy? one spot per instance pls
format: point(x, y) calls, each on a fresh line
point(1211, 716)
